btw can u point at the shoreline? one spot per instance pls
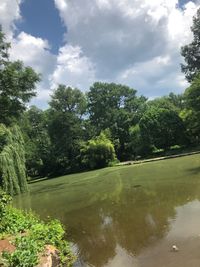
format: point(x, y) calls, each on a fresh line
point(133, 162)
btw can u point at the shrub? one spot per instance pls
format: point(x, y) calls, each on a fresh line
point(99, 152)
point(30, 235)
point(4, 201)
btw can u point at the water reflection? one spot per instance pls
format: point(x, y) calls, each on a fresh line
point(113, 222)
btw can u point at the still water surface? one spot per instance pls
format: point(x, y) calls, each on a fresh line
point(127, 216)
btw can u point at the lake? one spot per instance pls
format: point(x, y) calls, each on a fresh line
point(128, 216)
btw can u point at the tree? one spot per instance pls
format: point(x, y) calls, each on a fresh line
point(162, 102)
point(191, 52)
point(12, 160)
point(104, 100)
point(68, 100)
point(65, 126)
point(34, 125)
point(192, 125)
point(162, 127)
point(191, 113)
point(177, 100)
point(192, 95)
point(137, 145)
point(17, 85)
point(115, 107)
point(98, 152)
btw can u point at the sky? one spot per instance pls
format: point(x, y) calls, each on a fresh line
point(76, 42)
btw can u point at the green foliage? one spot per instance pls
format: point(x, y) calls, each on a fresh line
point(12, 160)
point(26, 253)
point(190, 52)
point(16, 221)
point(34, 124)
point(105, 99)
point(175, 147)
point(98, 152)
point(178, 101)
point(192, 95)
point(190, 114)
point(137, 146)
point(31, 236)
point(4, 201)
point(17, 85)
point(191, 122)
point(162, 127)
point(65, 99)
point(66, 129)
point(115, 107)
point(170, 102)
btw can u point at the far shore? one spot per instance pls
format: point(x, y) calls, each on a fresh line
point(132, 162)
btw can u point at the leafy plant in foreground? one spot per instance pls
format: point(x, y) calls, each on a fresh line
point(29, 235)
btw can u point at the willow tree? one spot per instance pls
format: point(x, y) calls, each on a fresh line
point(12, 160)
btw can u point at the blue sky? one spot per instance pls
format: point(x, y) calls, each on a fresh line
point(133, 42)
point(41, 19)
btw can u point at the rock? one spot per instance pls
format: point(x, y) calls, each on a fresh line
point(175, 248)
point(49, 258)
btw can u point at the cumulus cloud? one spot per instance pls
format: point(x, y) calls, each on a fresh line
point(154, 77)
point(73, 68)
point(9, 13)
point(35, 52)
point(136, 42)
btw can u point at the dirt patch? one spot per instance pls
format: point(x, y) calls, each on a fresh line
point(5, 245)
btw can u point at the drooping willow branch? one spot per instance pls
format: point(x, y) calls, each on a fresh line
point(12, 160)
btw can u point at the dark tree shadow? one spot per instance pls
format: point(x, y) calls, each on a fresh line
point(194, 170)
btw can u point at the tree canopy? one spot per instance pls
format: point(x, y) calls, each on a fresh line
point(17, 85)
point(162, 127)
point(191, 52)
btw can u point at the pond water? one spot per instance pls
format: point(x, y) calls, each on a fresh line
point(127, 216)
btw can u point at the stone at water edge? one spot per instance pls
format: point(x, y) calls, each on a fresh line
point(175, 248)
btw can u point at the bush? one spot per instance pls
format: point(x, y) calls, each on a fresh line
point(175, 147)
point(4, 201)
point(98, 153)
point(30, 235)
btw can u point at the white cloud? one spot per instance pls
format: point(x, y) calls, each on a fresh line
point(73, 68)
point(136, 42)
point(160, 77)
point(179, 23)
point(35, 52)
point(9, 13)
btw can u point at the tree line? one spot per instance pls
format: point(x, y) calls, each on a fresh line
point(82, 131)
